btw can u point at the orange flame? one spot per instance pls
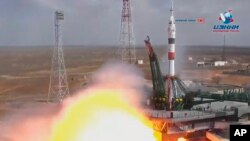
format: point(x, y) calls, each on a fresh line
point(103, 115)
point(181, 139)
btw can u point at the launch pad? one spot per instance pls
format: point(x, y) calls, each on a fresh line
point(171, 103)
point(173, 110)
point(179, 123)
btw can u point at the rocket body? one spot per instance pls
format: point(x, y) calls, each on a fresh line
point(171, 58)
point(171, 44)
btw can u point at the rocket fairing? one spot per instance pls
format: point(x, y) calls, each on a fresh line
point(171, 43)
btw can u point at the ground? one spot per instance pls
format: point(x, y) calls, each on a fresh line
point(25, 71)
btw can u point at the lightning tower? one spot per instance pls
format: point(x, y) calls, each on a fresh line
point(224, 49)
point(127, 40)
point(58, 88)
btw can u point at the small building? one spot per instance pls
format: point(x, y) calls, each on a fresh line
point(202, 64)
point(190, 58)
point(233, 62)
point(220, 63)
point(140, 62)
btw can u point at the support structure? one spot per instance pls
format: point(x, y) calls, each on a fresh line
point(127, 39)
point(58, 87)
point(158, 101)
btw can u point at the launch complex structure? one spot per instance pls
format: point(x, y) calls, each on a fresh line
point(168, 90)
point(170, 102)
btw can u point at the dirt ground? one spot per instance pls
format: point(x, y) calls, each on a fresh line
point(25, 71)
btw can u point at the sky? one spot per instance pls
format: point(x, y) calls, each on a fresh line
point(97, 22)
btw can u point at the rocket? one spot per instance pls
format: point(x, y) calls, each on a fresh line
point(171, 57)
point(171, 42)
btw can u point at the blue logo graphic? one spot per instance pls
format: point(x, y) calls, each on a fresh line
point(226, 17)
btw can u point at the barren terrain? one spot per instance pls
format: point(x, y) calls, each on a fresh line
point(25, 71)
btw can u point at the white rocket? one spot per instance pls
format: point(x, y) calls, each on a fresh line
point(171, 42)
point(171, 56)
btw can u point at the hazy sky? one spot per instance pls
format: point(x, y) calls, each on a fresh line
point(97, 22)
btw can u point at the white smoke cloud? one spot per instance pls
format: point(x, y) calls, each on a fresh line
point(27, 121)
point(34, 121)
point(121, 77)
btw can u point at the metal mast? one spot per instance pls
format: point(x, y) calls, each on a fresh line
point(58, 88)
point(127, 40)
point(224, 49)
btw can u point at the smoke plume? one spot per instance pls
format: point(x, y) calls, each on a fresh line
point(38, 121)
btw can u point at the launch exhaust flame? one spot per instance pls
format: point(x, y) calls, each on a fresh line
point(105, 111)
point(102, 115)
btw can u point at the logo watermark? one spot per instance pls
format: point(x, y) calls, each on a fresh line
point(227, 19)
